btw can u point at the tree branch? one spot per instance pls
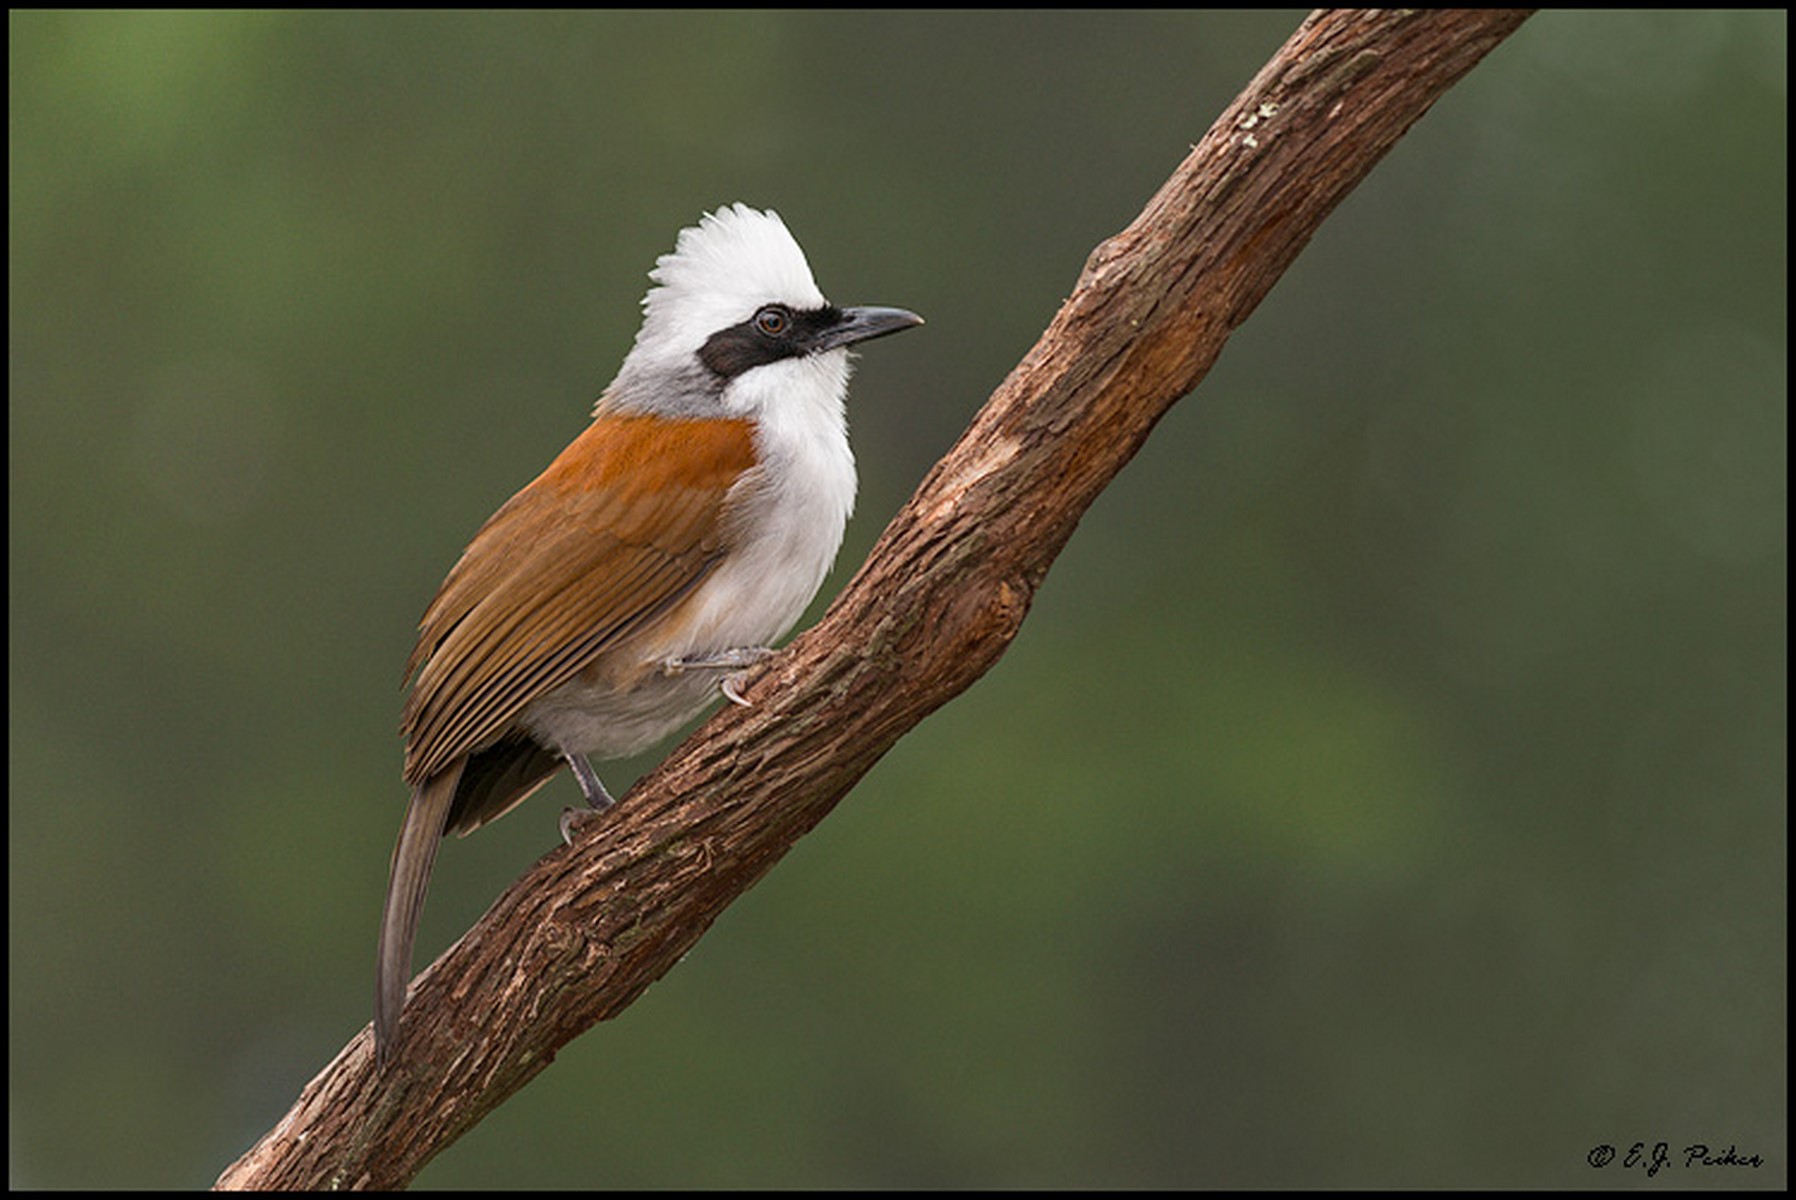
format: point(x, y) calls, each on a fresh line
point(588, 928)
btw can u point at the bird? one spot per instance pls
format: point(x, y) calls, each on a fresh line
point(650, 565)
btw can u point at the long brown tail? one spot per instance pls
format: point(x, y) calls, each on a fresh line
point(413, 857)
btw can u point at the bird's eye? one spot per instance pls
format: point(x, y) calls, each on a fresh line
point(772, 320)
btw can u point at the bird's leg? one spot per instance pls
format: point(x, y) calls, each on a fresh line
point(736, 661)
point(597, 798)
point(733, 659)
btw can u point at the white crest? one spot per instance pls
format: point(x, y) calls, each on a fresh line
point(722, 270)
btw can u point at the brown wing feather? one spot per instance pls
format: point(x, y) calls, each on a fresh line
point(623, 524)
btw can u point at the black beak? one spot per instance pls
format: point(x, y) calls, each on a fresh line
point(863, 324)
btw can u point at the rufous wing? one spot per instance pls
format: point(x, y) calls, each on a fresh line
point(621, 526)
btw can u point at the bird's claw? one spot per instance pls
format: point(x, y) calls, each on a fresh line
point(731, 687)
point(736, 662)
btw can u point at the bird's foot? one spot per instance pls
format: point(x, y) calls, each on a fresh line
point(597, 798)
point(735, 662)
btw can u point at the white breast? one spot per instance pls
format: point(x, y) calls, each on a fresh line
point(794, 506)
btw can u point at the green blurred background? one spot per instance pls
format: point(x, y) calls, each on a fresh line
point(1388, 787)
